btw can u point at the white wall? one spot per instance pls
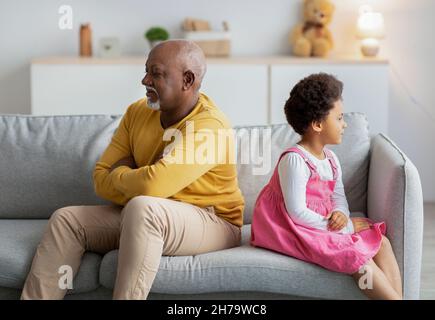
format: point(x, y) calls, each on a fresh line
point(259, 27)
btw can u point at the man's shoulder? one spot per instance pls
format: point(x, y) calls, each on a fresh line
point(138, 112)
point(209, 113)
point(138, 106)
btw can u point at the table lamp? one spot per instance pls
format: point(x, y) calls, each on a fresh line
point(370, 29)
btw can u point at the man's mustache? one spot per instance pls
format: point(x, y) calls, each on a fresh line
point(151, 89)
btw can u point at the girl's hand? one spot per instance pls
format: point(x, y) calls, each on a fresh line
point(337, 220)
point(360, 224)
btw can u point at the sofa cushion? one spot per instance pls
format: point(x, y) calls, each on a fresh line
point(19, 239)
point(353, 154)
point(243, 268)
point(47, 162)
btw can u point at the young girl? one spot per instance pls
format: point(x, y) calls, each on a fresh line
point(302, 212)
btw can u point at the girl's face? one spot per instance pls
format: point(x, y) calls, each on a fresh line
point(333, 126)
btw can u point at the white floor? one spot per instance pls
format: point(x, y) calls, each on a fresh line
point(428, 264)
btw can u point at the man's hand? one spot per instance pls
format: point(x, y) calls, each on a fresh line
point(160, 156)
point(127, 161)
point(337, 220)
point(360, 224)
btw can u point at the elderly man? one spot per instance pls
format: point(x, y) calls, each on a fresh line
point(160, 206)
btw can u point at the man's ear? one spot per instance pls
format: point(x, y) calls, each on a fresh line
point(188, 79)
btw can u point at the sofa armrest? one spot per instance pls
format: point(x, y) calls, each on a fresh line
point(395, 196)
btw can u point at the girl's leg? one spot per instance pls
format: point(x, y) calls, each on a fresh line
point(387, 262)
point(382, 288)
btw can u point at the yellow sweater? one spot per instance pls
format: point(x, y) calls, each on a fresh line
point(178, 175)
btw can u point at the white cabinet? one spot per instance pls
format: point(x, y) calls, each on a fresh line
point(249, 90)
point(365, 89)
point(59, 89)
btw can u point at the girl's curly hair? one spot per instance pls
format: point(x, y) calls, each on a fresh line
point(311, 99)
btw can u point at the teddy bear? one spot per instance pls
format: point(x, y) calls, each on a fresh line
point(312, 37)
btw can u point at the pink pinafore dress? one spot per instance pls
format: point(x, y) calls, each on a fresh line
point(273, 229)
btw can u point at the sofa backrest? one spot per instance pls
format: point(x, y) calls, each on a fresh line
point(46, 162)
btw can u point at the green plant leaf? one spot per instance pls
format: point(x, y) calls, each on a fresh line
point(156, 33)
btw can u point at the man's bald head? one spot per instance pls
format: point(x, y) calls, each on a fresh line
point(186, 54)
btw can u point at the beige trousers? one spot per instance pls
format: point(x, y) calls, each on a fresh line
point(144, 230)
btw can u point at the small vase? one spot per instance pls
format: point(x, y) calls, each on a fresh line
point(85, 40)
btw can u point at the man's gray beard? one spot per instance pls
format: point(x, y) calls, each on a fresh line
point(154, 105)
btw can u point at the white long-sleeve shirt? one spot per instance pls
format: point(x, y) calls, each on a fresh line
point(294, 175)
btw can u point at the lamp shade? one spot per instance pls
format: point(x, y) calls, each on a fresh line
point(370, 25)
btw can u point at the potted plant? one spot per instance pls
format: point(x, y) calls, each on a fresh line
point(155, 35)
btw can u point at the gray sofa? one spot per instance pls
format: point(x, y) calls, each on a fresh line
point(46, 163)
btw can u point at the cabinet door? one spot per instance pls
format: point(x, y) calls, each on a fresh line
point(365, 89)
point(240, 91)
point(64, 89)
